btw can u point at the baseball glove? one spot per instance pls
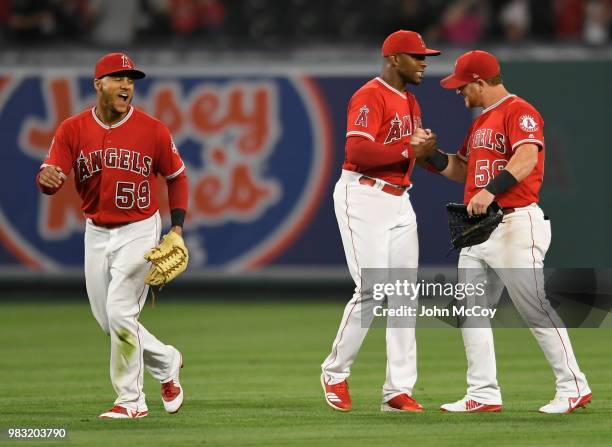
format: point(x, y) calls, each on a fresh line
point(168, 260)
point(469, 230)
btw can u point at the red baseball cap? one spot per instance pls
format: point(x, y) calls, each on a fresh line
point(114, 63)
point(408, 42)
point(471, 66)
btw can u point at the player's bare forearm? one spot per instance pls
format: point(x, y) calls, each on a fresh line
point(433, 159)
point(456, 169)
point(523, 161)
point(177, 229)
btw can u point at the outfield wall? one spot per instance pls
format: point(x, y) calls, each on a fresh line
point(263, 148)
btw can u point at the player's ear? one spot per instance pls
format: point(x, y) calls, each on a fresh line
point(393, 59)
point(97, 83)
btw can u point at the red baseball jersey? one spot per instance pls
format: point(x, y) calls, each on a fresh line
point(115, 166)
point(383, 114)
point(492, 140)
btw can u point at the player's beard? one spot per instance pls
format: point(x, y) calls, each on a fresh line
point(471, 97)
point(412, 79)
point(470, 102)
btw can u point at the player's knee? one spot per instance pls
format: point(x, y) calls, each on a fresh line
point(116, 318)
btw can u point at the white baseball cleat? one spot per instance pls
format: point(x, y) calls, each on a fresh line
point(467, 405)
point(119, 412)
point(566, 405)
point(172, 391)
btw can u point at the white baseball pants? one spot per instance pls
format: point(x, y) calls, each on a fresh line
point(114, 274)
point(513, 258)
point(378, 230)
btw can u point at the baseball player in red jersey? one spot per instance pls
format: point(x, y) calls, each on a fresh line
point(376, 220)
point(116, 151)
point(502, 159)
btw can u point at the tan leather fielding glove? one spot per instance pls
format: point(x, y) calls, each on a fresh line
point(168, 260)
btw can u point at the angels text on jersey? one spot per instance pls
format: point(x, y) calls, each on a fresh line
point(400, 128)
point(112, 158)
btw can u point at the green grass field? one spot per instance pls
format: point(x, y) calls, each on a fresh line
point(251, 377)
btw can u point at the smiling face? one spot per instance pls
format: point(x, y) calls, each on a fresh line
point(410, 68)
point(115, 93)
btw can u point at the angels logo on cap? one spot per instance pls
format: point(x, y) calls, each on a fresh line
point(421, 39)
point(127, 63)
point(408, 42)
point(114, 63)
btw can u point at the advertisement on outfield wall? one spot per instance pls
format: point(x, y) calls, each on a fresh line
point(263, 150)
point(262, 155)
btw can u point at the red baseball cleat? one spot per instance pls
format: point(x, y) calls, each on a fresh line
point(337, 396)
point(402, 402)
point(119, 412)
point(467, 405)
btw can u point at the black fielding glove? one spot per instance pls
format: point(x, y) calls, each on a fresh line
point(466, 230)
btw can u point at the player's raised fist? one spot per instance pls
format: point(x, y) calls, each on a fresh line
point(51, 177)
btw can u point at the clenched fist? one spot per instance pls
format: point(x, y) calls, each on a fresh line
point(51, 177)
point(424, 142)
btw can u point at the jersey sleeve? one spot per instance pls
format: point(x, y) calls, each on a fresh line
point(415, 112)
point(169, 162)
point(525, 125)
point(364, 115)
point(60, 152)
point(463, 151)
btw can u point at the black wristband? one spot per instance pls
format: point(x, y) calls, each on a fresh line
point(177, 217)
point(438, 160)
point(501, 183)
